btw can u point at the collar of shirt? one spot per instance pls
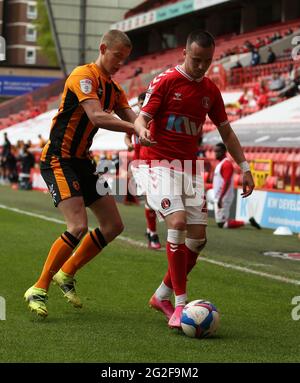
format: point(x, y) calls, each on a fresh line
point(183, 73)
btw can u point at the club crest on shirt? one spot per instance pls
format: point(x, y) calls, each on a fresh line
point(206, 102)
point(165, 203)
point(86, 85)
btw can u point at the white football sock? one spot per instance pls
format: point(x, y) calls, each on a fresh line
point(180, 300)
point(163, 292)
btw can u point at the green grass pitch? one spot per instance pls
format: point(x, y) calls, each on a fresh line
point(116, 324)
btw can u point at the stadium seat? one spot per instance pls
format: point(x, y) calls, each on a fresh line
point(271, 182)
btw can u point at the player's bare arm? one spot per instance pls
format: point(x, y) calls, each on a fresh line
point(105, 120)
point(128, 142)
point(234, 148)
point(142, 130)
point(126, 114)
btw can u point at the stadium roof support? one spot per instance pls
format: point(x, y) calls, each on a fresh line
point(78, 26)
point(56, 39)
point(82, 32)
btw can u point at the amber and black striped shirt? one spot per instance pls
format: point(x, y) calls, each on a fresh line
point(72, 132)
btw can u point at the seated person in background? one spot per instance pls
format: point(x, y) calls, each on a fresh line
point(248, 46)
point(292, 83)
point(277, 82)
point(260, 91)
point(268, 40)
point(276, 36)
point(259, 43)
point(243, 100)
point(271, 56)
point(255, 57)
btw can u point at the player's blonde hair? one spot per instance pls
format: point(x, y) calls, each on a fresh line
point(115, 36)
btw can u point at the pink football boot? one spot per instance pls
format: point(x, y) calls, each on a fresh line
point(175, 320)
point(164, 306)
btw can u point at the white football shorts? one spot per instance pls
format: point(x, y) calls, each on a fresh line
point(222, 214)
point(168, 191)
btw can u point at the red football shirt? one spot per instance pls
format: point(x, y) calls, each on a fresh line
point(178, 105)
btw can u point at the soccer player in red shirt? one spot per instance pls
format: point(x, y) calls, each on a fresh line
point(132, 142)
point(223, 191)
point(177, 103)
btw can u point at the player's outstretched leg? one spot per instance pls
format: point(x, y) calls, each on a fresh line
point(36, 296)
point(91, 245)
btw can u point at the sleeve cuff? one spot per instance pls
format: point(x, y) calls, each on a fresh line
point(223, 123)
point(146, 114)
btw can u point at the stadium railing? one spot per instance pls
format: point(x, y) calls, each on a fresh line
point(240, 76)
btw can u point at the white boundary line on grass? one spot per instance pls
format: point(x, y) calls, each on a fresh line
point(142, 244)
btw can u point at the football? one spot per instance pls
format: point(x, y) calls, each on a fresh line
point(200, 319)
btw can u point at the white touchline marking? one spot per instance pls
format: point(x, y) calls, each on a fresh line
point(250, 271)
point(142, 244)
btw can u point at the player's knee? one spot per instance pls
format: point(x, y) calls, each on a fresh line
point(78, 231)
point(114, 230)
point(119, 228)
point(178, 224)
point(195, 245)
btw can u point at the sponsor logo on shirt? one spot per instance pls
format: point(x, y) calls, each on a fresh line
point(182, 124)
point(177, 97)
point(86, 85)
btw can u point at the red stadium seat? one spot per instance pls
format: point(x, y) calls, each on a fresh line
point(271, 182)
